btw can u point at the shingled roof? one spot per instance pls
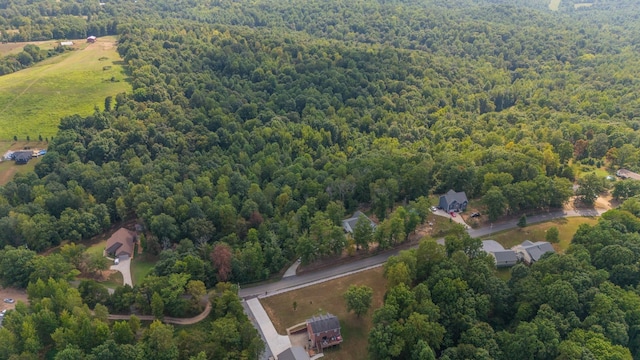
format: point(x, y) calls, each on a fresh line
point(121, 242)
point(323, 323)
point(294, 353)
point(349, 224)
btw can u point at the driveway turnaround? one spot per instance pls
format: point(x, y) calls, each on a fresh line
point(277, 343)
point(125, 269)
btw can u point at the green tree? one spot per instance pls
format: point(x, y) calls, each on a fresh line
point(363, 232)
point(495, 202)
point(157, 306)
point(591, 185)
point(358, 299)
point(522, 222)
point(552, 235)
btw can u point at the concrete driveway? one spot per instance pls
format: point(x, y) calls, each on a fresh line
point(124, 267)
point(277, 343)
point(457, 218)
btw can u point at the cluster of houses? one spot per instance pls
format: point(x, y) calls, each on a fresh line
point(528, 252)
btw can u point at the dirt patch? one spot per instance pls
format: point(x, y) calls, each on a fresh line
point(12, 293)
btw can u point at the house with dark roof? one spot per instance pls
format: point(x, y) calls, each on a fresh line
point(531, 252)
point(502, 256)
point(293, 353)
point(349, 224)
point(121, 244)
point(324, 331)
point(22, 157)
point(453, 201)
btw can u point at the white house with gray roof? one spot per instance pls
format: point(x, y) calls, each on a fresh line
point(531, 252)
point(502, 256)
point(453, 201)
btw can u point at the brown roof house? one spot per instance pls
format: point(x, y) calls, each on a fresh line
point(324, 331)
point(120, 244)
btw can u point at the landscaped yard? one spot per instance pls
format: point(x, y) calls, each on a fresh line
point(140, 267)
point(536, 232)
point(327, 297)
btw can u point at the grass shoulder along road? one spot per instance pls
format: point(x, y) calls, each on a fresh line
point(33, 100)
point(328, 297)
point(567, 227)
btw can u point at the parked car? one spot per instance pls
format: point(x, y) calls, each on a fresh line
point(475, 214)
point(453, 214)
point(9, 301)
point(434, 209)
point(116, 261)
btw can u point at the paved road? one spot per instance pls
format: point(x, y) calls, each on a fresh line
point(292, 282)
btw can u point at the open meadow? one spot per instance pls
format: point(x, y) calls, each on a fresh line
point(32, 101)
point(327, 297)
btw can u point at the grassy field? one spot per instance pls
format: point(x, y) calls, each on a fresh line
point(33, 100)
point(536, 232)
point(327, 297)
point(14, 48)
point(140, 267)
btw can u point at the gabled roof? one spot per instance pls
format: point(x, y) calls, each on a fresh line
point(537, 249)
point(452, 196)
point(121, 242)
point(624, 173)
point(491, 246)
point(505, 257)
point(293, 353)
point(323, 323)
point(349, 224)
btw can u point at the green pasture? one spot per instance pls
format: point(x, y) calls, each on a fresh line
point(33, 100)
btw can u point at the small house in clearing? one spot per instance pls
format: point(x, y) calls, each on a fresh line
point(121, 244)
point(349, 224)
point(324, 331)
point(91, 39)
point(502, 257)
point(531, 252)
point(453, 201)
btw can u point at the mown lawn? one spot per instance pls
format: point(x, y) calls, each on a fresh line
point(327, 297)
point(33, 101)
point(567, 227)
point(140, 267)
point(115, 280)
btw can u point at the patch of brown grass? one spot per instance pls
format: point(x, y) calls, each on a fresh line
point(328, 297)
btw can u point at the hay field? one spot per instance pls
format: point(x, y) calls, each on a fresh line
point(33, 100)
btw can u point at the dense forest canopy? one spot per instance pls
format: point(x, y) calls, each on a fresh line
point(254, 128)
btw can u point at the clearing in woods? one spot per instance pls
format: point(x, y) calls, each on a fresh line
point(32, 101)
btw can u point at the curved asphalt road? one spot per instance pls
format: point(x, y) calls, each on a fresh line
point(345, 269)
